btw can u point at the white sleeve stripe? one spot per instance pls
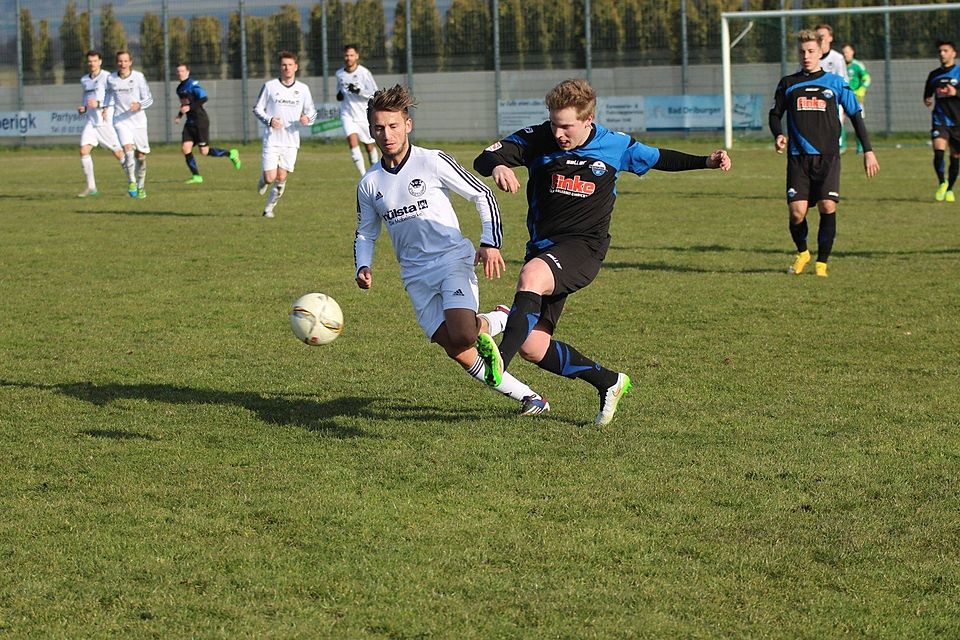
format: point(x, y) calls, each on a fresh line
point(487, 194)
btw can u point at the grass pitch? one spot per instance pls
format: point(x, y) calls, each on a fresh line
point(176, 464)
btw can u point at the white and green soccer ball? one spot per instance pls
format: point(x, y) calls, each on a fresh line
point(316, 319)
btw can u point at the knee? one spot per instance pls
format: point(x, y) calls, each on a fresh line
point(459, 341)
point(532, 352)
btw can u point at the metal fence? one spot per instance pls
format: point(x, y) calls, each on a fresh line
point(671, 46)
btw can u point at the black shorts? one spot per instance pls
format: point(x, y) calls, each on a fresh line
point(196, 132)
point(574, 264)
point(950, 134)
point(813, 178)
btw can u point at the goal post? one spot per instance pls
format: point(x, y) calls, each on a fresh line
point(738, 17)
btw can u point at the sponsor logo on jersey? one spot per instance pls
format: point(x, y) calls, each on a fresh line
point(399, 214)
point(577, 162)
point(459, 292)
point(422, 204)
point(811, 104)
point(379, 196)
point(417, 187)
point(287, 101)
point(598, 168)
point(571, 186)
point(494, 146)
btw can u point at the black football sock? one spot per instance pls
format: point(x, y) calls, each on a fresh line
point(825, 235)
point(522, 319)
point(938, 164)
point(954, 170)
point(217, 152)
point(564, 360)
point(799, 234)
point(191, 163)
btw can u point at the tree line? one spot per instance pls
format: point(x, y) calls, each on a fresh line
point(534, 34)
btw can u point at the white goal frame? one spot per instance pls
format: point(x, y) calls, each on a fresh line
point(726, 46)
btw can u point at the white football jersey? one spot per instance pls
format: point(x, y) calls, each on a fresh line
point(123, 92)
point(94, 89)
point(413, 200)
point(833, 62)
point(288, 103)
point(354, 105)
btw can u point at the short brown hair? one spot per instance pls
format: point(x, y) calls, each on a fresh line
point(824, 25)
point(289, 55)
point(93, 53)
point(124, 51)
point(574, 93)
point(397, 98)
point(809, 35)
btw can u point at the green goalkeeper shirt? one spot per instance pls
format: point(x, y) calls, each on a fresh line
point(859, 76)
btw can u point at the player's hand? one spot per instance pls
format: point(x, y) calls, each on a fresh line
point(505, 179)
point(928, 102)
point(364, 278)
point(719, 160)
point(870, 164)
point(176, 118)
point(353, 88)
point(304, 120)
point(275, 123)
point(91, 104)
point(185, 108)
point(134, 107)
point(493, 264)
point(780, 143)
point(339, 96)
point(81, 109)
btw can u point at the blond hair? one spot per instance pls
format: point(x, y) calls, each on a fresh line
point(574, 93)
point(809, 35)
point(396, 99)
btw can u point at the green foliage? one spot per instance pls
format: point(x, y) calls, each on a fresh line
point(467, 35)
point(31, 53)
point(261, 49)
point(45, 52)
point(426, 33)
point(285, 28)
point(175, 464)
point(151, 45)
point(513, 41)
point(203, 44)
point(113, 36)
point(74, 40)
point(368, 30)
point(314, 40)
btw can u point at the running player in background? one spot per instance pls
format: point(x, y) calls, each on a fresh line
point(409, 192)
point(196, 130)
point(128, 95)
point(573, 165)
point(940, 92)
point(811, 99)
point(355, 86)
point(859, 79)
point(283, 105)
point(98, 129)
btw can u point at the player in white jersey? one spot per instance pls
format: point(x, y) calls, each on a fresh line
point(355, 86)
point(409, 192)
point(833, 62)
point(98, 129)
point(129, 95)
point(283, 105)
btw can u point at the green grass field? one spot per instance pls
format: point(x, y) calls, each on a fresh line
point(176, 464)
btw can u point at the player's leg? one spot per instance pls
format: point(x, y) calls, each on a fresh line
point(536, 280)
point(493, 322)
point(939, 138)
point(203, 131)
point(142, 144)
point(826, 190)
point(798, 194)
point(954, 163)
point(287, 159)
point(187, 147)
point(86, 163)
point(372, 153)
point(269, 161)
point(355, 155)
point(564, 360)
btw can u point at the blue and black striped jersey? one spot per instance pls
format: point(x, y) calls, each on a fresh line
point(570, 194)
point(946, 109)
point(811, 103)
point(191, 91)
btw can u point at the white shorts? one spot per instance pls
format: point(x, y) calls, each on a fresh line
point(359, 127)
point(448, 287)
point(283, 157)
point(137, 136)
point(103, 134)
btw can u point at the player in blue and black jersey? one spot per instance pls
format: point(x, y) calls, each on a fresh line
point(811, 99)
point(940, 92)
point(573, 164)
point(196, 130)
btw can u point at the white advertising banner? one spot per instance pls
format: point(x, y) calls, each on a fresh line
point(620, 113)
point(14, 124)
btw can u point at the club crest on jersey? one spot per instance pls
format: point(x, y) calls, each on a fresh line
point(528, 129)
point(598, 168)
point(791, 192)
point(571, 186)
point(417, 187)
point(811, 104)
point(827, 93)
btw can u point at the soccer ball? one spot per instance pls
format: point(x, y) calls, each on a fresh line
point(316, 319)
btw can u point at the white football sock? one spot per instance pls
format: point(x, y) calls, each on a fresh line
point(141, 172)
point(87, 163)
point(496, 321)
point(374, 156)
point(130, 164)
point(276, 191)
point(510, 387)
point(357, 158)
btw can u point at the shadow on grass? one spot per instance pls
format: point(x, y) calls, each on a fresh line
point(676, 268)
point(117, 434)
point(785, 251)
point(301, 412)
point(144, 214)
